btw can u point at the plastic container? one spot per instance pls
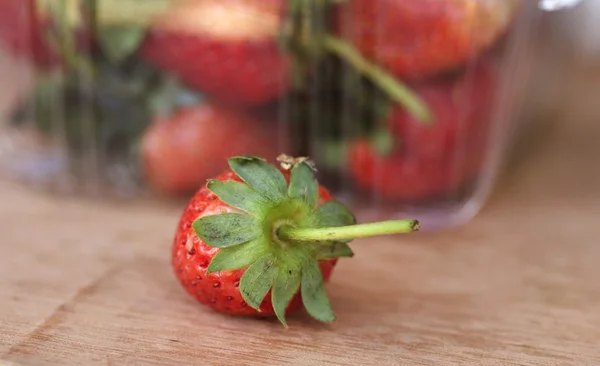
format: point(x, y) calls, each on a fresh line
point(567, 63)
point(406, 106)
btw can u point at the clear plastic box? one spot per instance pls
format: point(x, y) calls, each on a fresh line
point(406, 106)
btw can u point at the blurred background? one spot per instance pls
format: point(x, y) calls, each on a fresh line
point(105, 103)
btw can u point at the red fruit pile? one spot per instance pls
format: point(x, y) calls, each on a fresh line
point(231, 52)
point(441, 48)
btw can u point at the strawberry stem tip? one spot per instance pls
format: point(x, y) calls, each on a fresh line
point(283, 230)
point(287, 232)
point(397, 91)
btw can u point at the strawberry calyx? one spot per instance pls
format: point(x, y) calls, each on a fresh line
point(279, 232)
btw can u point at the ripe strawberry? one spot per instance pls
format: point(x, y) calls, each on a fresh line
point(411, 178)
point(181, 151)
point(261, 241)
point(224, 48)
point(432, 159)
point(23, 30)
point(418, 38)
point(460, 106)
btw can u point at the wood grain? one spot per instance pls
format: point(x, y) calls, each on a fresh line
point(89, 282)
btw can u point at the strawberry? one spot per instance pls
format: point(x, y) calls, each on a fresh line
point(431, 159)
point(460, 106)
point(224, 48)
point(418, 38)
point(261, 241)
point(24, 28)
point(410, 178)
point(180, 151)
point(22, 31)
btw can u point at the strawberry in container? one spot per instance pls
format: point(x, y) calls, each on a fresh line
point(429, 160)
point(393, 99)
point(415, 122)
point(29, 30)
point(21, 31)
point(415, 39)
point(162, 93)
point(226, 48)
point(181, 150)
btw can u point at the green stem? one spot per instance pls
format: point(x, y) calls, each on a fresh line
point(65, 44)
point(396, 90)
point(349, 232)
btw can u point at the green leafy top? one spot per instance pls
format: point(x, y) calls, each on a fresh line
point(282, 233)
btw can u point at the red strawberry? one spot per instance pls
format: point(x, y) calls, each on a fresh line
point(225, 48)
point(460, 107)
point(23, 30)
point(181, 151)
point(432, 159)
point(418, 38)
point(260, 241)
point(410, 178)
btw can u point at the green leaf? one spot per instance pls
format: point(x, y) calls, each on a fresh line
point(239, 195)
point(262, 176)
point(170, 94)
point(237, 257)
point(383, 142)
point(120, 42)
point(227, 229)
point(285, 287)
point(333, 153)
point(336, 249)
point(334, 214)
point(258, 280)
point(303, 184)
point(313, 292)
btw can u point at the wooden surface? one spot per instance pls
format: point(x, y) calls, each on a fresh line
point(85, 282)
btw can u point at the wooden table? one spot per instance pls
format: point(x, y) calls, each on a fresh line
point(84, 282)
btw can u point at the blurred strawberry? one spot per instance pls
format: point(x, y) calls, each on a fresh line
point(22, 31)
point(26, 24)
point(410, 178)
point(224, 48)
point(430, 160)
point(460, 107)
point(418, 38)
point(181, 151)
